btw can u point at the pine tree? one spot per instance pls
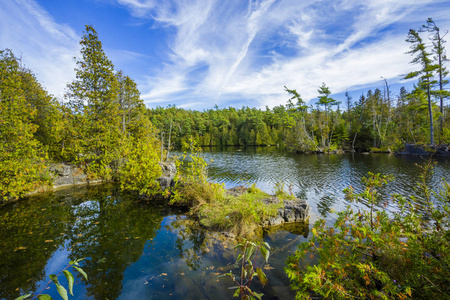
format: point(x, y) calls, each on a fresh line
point(426, 73)
point(438, 49)
point(93, 98)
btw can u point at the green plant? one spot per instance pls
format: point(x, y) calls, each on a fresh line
point(54, 278)
point(281, 193)
point(248, 270)
point(240, 214)
point(373, 255)
point(192, 187)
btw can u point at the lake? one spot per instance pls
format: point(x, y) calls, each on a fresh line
point(140, 250)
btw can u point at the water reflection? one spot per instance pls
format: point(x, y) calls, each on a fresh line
point(133, 250)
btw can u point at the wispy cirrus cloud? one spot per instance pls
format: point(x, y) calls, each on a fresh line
point(199, 53)
point(224, 50)
point(46, 47)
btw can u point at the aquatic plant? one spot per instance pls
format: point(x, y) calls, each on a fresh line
point(248, 271)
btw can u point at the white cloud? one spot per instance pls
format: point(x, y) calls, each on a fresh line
point(221, 51)
point(228, 41)
point(47, 48)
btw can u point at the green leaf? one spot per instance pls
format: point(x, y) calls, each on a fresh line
point(267, 245)
point(262, 277)
point(44, 297)
point(258, 295)
point(226, 274)
point(70, 280)
point(237, 292)
point(249, 252)
point(54, 278)
point(239, 258)
point(23, 297)
point(265, 253)
point(239, 246)
point(80, 270)
point(62, 291)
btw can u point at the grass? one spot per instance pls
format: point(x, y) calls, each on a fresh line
point(238, 214)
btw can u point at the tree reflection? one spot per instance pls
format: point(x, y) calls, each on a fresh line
point(111, 232)
point(31, 230)
point(190, 241)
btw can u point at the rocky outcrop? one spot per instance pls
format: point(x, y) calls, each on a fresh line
point(169, 170)
point(67, 175)
point(292, 211)
point(422, 150)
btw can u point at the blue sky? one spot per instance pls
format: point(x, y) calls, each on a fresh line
point(199, 53)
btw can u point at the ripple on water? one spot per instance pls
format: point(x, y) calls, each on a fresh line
point(318, 178)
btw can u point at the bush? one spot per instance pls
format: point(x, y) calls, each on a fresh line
point(373, 255)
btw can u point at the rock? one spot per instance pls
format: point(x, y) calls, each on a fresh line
point(423, 150)
point(293, 211)
point(169, 171)
point(166, 182)
point(66, 175)
point(237, 190)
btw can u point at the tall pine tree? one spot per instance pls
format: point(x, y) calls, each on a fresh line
point(93, 99)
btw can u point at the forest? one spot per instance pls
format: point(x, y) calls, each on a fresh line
point(103, 126)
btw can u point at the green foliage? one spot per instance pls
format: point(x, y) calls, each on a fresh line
point(248, 268)
point(281, 193)
point(93, 100)
point(426, 73)
point(214, 208)
point(370, 254)
point(62, 291)
point(21, 155)
point(192, 186)
point(239, 214)
point(141, 169)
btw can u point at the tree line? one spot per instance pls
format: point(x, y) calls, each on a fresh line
point(377, 120)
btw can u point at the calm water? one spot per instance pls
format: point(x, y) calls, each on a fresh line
point(139, 250)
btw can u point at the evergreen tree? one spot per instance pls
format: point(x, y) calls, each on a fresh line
point(93, 98)
point(438, 49)
point(426, 73)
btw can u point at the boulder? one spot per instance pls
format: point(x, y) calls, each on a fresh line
point(67, 175)
point(293, 211)
point(169, 170)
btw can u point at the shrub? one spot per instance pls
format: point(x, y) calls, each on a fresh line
point(373, 255)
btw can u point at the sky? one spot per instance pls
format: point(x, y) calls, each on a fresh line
point(196, 54)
